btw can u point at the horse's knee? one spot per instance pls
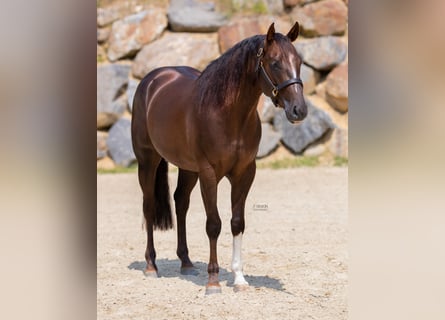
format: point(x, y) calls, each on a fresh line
point(237, 224)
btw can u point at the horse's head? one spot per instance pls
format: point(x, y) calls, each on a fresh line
point(279, 73)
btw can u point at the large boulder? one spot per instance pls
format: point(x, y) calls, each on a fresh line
point(337, 87)
point(111, 82)
point(269, 140)
point(176, 49)
point(191, 16)
point(243, 28)
point(322, 18)
point(322, 53)
point(297, 137)
point(130, 34)
point(119, 143)
point(339, 119)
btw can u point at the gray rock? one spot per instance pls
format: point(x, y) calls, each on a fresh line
point(269, 140)
point(176, 49)
point(191, 16)
point(309, 77)
point(119, 143)
point(315, 150)
point(102, 148)
point(298, 137)
point(131, 89)
point(322, 53)
point(130, 34)
point(111, 82)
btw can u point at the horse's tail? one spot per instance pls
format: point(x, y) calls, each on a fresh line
point(163, 212)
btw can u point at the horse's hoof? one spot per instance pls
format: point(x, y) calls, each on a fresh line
point(189, 271)
point(211, 289)
point(151, 273)
point(240, 287)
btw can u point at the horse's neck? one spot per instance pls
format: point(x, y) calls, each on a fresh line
point(247, 100)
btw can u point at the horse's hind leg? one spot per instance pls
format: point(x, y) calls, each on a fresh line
point(186, 182)
point(147, 176)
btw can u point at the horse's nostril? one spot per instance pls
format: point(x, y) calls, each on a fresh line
point(299, 113)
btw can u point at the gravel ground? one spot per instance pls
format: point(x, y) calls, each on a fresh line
point(294, 251)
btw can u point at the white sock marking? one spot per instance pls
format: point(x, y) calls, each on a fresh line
point(237, 263)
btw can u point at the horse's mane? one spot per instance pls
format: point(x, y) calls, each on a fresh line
point(220, 82)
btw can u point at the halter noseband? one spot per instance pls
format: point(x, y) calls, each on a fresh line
point(275, 88)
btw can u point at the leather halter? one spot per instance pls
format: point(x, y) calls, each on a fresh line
point(275, 88)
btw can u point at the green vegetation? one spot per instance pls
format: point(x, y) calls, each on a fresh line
point(290, 163)
point(340, 162)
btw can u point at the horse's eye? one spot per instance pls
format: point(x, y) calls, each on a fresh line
point(276, 65)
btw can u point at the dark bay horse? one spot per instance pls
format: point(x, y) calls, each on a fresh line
point(207, 125)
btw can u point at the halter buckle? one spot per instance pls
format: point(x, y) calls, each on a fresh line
point(275, 92)
point(260, 53)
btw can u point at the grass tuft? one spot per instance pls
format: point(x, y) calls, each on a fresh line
point(340, 162)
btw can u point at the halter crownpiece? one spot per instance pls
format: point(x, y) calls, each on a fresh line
point(275, 88)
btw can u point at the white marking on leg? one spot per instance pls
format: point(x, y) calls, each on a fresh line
point(237, 264)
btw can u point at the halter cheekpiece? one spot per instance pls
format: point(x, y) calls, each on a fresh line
point(275, 88)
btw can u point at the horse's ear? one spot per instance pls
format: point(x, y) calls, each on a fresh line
point(270, 34)
point(293, 33)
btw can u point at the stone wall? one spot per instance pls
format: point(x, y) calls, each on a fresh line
point(134, 37)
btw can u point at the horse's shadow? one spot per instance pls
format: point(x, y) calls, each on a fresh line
point(170, 269)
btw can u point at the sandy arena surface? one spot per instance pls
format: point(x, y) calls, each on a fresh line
point(294, 253)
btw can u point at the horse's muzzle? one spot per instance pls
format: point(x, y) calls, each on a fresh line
point(296, 114)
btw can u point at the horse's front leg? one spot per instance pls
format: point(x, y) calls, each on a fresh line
point(241, 181)
point(208, 183)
